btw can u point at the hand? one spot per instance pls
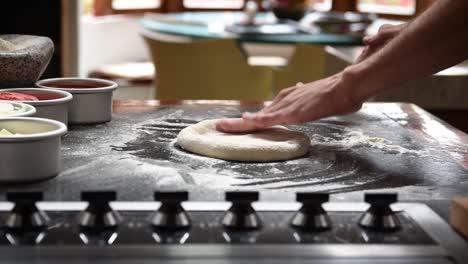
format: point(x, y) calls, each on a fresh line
point(376, 42)
point(298, 104)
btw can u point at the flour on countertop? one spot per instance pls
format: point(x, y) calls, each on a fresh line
point(357, 139)
point(6, 45)
point(171, 125)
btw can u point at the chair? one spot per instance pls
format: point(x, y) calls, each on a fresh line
point(207, 69)
point(307, 64)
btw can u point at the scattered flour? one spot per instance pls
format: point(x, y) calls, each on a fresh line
point(357, 139)
point(165, 124)
point(6, 45)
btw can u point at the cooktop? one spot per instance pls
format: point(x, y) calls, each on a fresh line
point(242, 228)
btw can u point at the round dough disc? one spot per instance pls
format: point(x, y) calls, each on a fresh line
point(271, 144)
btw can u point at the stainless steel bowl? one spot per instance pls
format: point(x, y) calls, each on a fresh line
point(32, 155)
point(52, 104)
point(337, 22)
point(92, 98)
point(23, 110)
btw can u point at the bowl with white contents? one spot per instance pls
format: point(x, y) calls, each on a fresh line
point(92, 98)
point(49, 103)
point(29, 148)
point(16, 109)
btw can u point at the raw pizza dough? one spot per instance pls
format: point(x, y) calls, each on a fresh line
point(272, 144)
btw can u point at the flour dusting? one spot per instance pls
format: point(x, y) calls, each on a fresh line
point(6, 45)
point(357, 139)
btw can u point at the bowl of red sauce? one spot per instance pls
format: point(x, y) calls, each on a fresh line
point(92, 98)
point(49, 103)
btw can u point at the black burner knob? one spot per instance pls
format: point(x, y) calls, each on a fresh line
point(311, 216)
point(241, 215)
point(25, 216)
point(380, 216)
point(99, 216)
point(171, 215)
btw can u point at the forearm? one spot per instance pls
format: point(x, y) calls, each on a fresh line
point(434, 41)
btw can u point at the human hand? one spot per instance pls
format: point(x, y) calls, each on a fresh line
point(298, 104)
point(376, 42)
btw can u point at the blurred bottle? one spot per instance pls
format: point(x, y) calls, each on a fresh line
point(250, 10)
point(289, 9)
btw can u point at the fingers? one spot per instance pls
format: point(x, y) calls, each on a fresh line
point(281, 95)
point(374, 43)
point(364, 54)
point(284, 98)
point(385, 33)
point(271, 115)
point(263, 120)
point(373, 40)
point(232, 125)
point(288, 115)
point(249, 122)
point(367, 39)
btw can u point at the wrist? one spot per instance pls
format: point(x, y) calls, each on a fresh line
point(358, 83)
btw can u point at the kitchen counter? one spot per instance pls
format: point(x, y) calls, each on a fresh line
point(386, 147)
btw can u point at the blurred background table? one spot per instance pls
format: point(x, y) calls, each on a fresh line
point(291, 58)
point(214, 24)
point(201, 43)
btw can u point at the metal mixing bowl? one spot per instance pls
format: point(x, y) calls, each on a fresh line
point(92, 98)
point(32, 155)
point(337, 22)
point(24, 109)
point(52, 104)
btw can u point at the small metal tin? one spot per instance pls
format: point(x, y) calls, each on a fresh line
point(92, 98)
point(32, 155)
point(52, 104)
point(26, 109)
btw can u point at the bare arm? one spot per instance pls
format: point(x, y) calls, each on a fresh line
point(432, 42)
point(436, 40)
point(376, 42)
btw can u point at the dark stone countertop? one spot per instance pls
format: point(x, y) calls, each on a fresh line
point(372, 150)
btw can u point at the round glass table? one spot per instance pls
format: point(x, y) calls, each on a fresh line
point(210, 25)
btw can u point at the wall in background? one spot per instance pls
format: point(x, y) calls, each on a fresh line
point(109, 40)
